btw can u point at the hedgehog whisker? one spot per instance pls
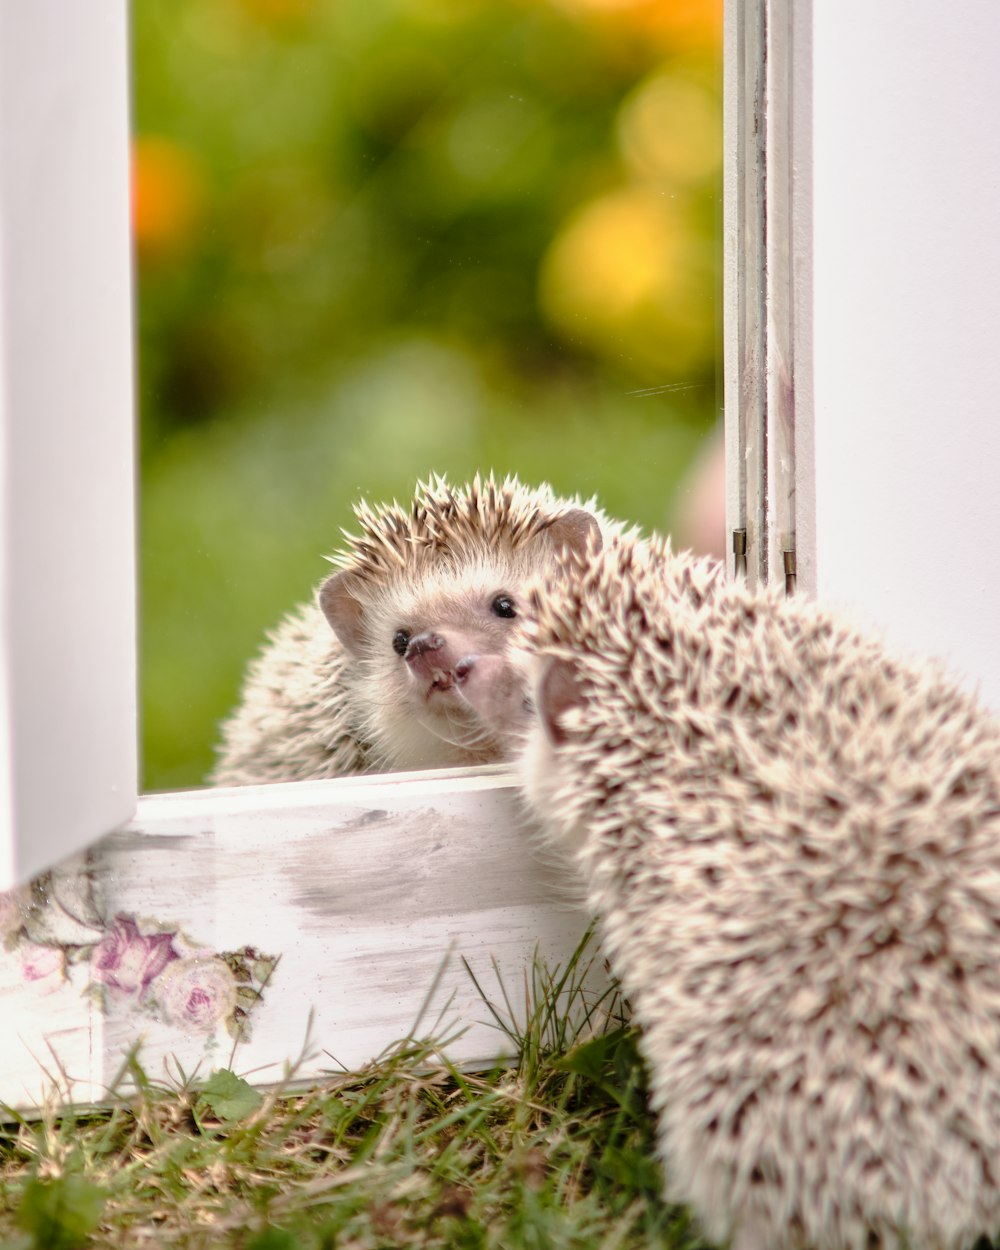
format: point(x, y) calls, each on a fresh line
point(475, 735)
point(465, 742)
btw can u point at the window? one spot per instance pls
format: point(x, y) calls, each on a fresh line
point(869, 352)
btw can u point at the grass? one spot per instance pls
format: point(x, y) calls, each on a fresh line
point(553, 1151)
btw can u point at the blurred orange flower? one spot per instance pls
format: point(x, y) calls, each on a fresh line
point(672, 24)
point(167, 196)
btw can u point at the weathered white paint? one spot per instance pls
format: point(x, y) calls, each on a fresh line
point(370, 890)
point(67, 587)
point(904, 301)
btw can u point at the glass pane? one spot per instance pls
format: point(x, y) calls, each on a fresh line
point(383, 238)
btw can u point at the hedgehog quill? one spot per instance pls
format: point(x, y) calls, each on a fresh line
point(402, 662)
point(793, 841)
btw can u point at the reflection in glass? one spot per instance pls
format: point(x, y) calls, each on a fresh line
point(382, 239)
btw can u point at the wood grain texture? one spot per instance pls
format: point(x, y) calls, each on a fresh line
point(369, 891)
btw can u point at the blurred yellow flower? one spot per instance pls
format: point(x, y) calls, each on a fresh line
point(610, 257)
point(627, 275)
point(670, 128)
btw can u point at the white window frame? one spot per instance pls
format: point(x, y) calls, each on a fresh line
point(862, 301)
point(862, 306)
point(67, 580)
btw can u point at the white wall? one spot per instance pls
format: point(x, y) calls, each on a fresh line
point(905, 308)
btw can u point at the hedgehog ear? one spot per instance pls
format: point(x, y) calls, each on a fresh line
point(558, 690)
point(574, 531)
point(340, 601)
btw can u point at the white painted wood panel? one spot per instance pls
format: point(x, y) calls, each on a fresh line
point(67, 586)
point(369, 892)
point(898, 102)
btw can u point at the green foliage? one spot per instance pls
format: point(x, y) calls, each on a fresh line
point(383, 238)
point(612, 1053)
point(274, 1239)
point(60, 1213)
point(229, 1097)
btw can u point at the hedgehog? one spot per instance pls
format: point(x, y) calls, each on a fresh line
point(792, 839)
point(401, 660)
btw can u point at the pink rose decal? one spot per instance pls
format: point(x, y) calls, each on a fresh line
point(196, 992)
point(43, 964)
point(126, 961)
point(55, 934)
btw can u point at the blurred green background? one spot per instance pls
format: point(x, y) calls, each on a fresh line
point(382, 238)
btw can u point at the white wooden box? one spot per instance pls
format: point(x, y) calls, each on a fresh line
point(235, 928)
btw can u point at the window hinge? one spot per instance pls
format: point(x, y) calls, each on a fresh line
point(740, 552)
point(790, 572)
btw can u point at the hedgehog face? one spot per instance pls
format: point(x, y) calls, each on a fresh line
point(405, 661)
point(425, 608)
point(429, 646)
point(430, 664)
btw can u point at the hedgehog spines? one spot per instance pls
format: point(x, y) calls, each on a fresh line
point(484, 514)
point(792, 838)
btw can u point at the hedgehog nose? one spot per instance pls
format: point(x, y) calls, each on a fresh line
point(464, 667)
point(420, 644)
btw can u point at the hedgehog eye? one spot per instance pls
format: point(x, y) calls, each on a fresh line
point(503, 605)
point(400, 641)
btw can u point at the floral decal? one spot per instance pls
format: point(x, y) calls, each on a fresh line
point(127, 961)
point(57, 933)
point(197, 992)
point(44, 964)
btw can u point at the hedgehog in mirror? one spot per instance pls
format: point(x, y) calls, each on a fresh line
point(403, 661)
point(792, 839)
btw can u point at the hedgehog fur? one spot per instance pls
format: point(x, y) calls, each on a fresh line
point(793, 840)
point(329, 695)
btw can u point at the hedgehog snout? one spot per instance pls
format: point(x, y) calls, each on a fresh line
point(431, 661)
